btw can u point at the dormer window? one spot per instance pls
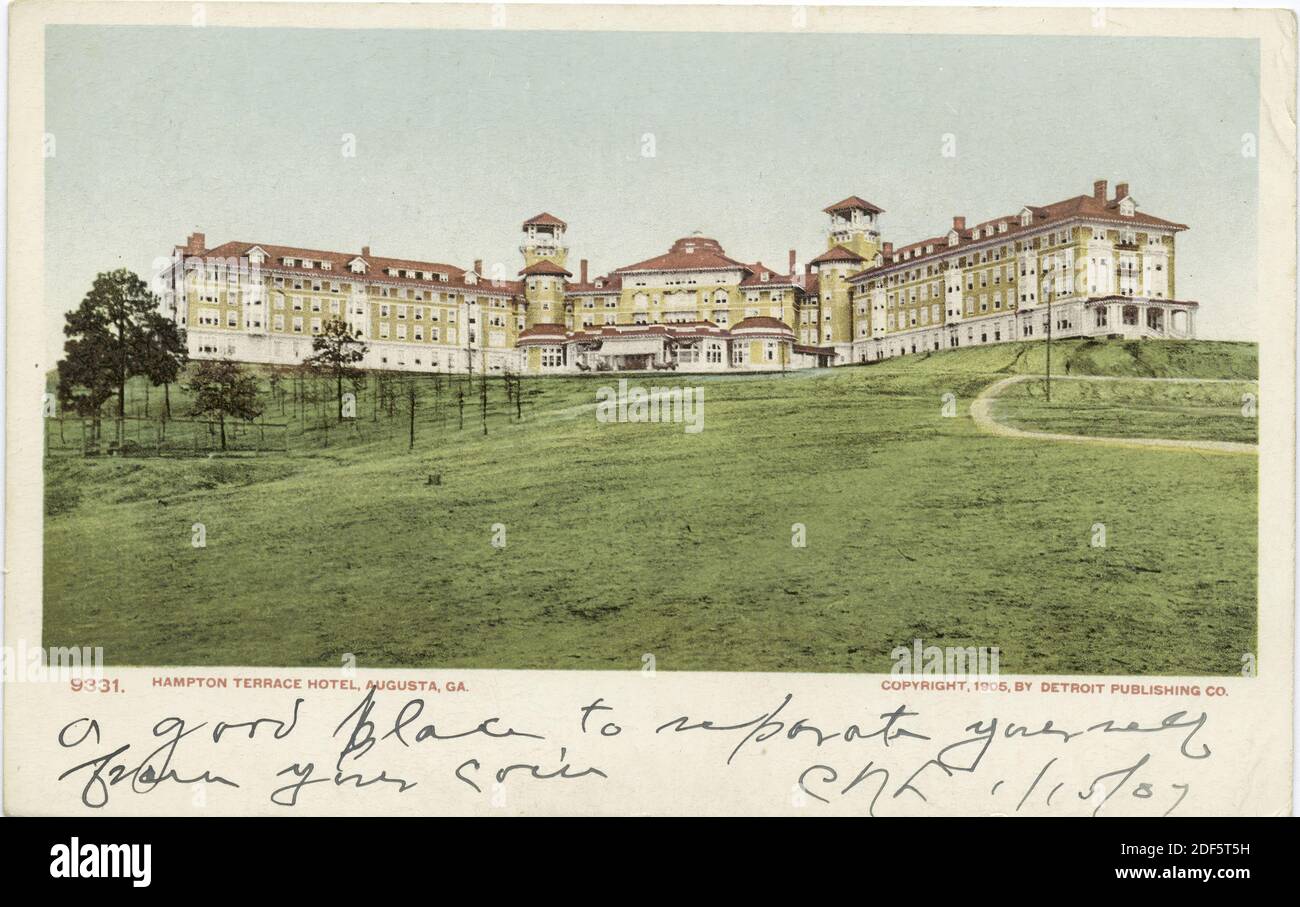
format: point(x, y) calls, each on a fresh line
point(358, 265)
point(1002, 226)
point(1126, 207)
point(1026, 217)
point(471, 278)
point(307, 263)
point(764, 277)
point(288, 262)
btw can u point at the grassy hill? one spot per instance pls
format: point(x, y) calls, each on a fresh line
point(624, 539)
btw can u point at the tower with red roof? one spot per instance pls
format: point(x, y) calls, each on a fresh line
point(544, 274)
point(543, 240)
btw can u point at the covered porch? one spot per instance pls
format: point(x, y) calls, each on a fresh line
point(618, 354)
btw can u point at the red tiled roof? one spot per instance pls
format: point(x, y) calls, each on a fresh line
point(545, 220)
point(761, 322)
point(546, 330)
point(408, 264)
point(838, 253)
point(545, 267)
point(755, 278)
point(691, 253)
point(853, 202)
point(612, 284)
point(339, 269)
point(1086, 207)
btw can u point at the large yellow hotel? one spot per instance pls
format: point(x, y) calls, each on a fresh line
point(1090, 266)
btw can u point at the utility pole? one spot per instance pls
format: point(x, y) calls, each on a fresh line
point(482, 394)
point(1049, 347)
point(410, 399)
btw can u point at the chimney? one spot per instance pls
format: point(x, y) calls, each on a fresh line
point(793, 261)
point(365, 251)
point(1099, 190)
point(1121, 191)
point(807, 270)
point(195, 243)
point(887, 250)
point(582, 269)
point(959, 224)
point(478, 266)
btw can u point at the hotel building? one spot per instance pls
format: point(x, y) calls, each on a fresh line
point(1089, 266)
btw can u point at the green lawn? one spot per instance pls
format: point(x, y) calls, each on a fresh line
point(1134, 409)
point(625, 539)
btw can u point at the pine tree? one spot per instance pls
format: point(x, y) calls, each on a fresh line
point(115, 333)
point(162, 355)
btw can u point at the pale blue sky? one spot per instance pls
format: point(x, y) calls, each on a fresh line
point(462, 135)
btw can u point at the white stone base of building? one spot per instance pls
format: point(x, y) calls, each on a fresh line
point(288, 351)
point(1105, 317)
point(1111, 316)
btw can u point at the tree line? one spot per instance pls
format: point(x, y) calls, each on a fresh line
point(119, 332)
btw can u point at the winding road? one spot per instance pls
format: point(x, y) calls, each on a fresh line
point(981, 411)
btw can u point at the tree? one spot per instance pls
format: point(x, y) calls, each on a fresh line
point(220, 388)
point(85, 379)
point(276, 383)
point(161, 356)
point(336, 351)
point(108, 340)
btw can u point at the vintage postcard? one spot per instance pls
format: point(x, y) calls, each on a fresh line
point(530, 410)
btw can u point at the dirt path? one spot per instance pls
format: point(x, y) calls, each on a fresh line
point(981, 411)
